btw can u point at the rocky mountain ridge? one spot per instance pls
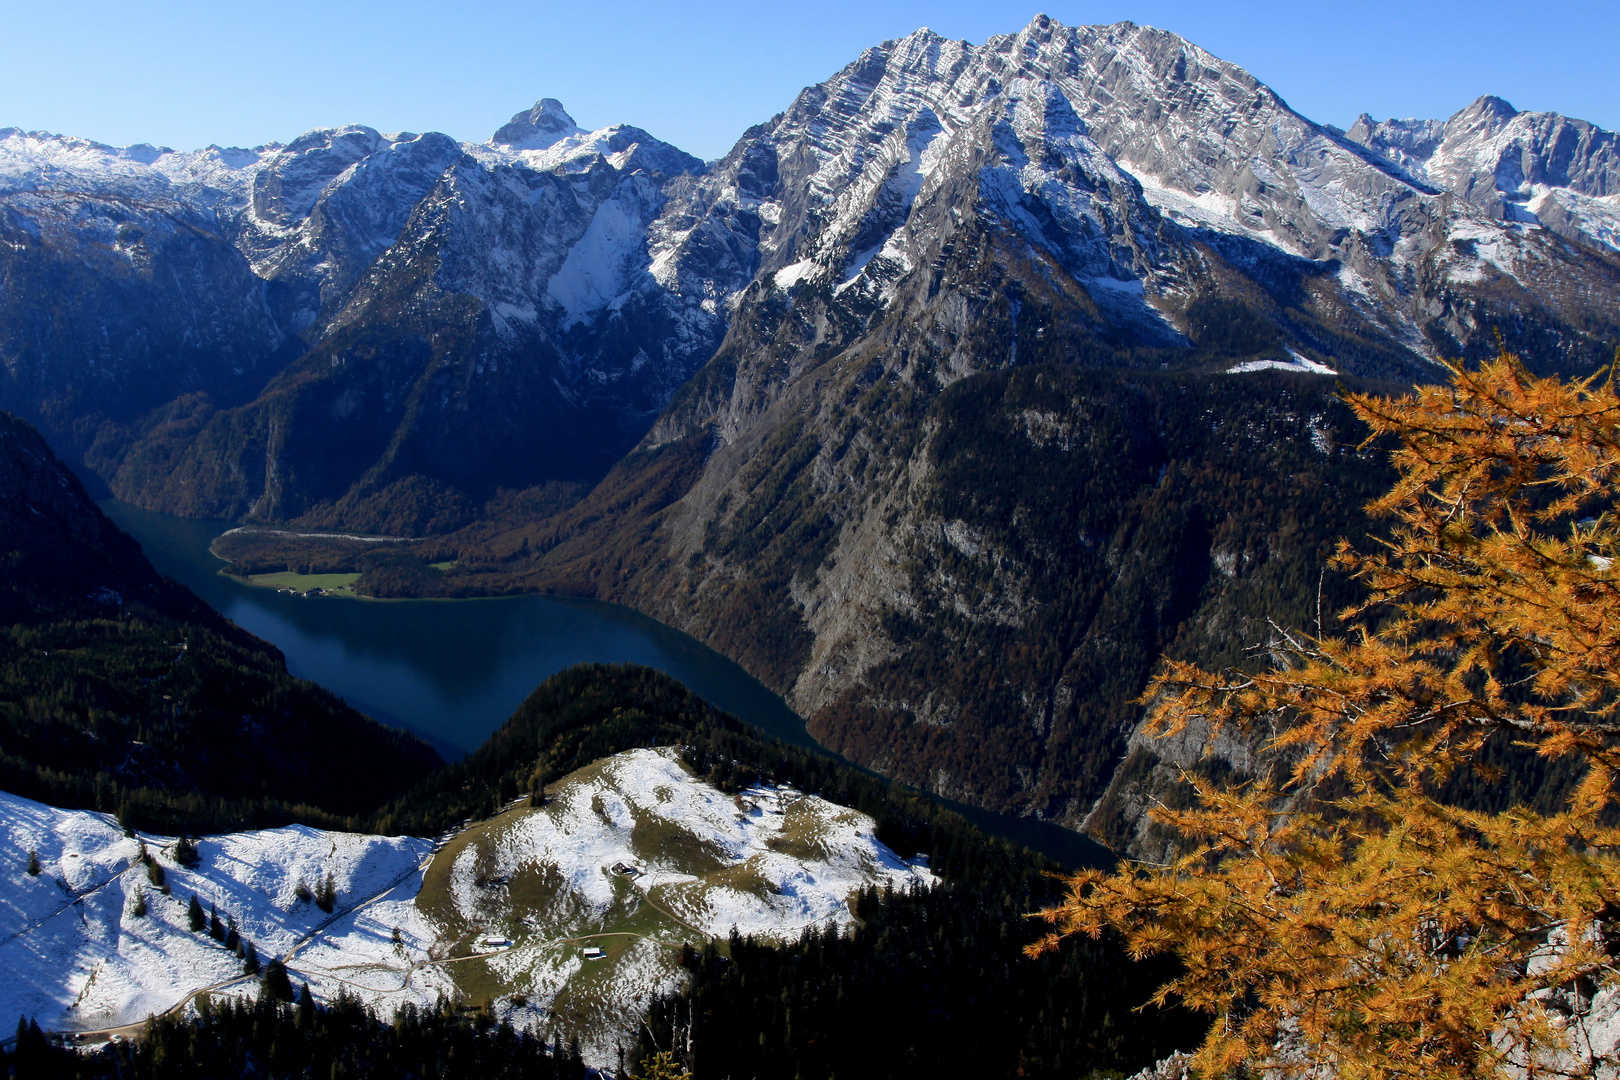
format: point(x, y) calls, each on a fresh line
point(383, 331)
point(199, 326)
point(897, 495)
point(1539, 168)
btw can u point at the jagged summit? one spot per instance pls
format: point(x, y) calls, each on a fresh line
point(1539, 168)
point(544, 125)
point(1489, 106)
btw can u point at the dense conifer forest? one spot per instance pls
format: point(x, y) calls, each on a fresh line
point(271, 1038)
point(121, 691)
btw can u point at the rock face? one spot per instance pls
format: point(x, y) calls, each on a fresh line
point(376, 330)
point(896, 496)
point(1540, 168)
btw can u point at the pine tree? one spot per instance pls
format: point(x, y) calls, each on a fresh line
point(156, 875)
point(306, 1006)
point(31, 1054)
point(216, 929)
point(138, 908)
point(276, 982)
point(663, 1065)
point(326, 893)
point(185, 852)
point(33, 864)
point(250, 958)
point(233, 939)
point(194, 915)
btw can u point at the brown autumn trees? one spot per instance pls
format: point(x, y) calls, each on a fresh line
point(1339, 917)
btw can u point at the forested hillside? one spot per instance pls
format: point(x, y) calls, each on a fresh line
point(934, 975)
point(121, 691)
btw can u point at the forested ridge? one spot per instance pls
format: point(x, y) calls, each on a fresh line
point(270, 1038)
point(121, 691)
point(935, 978)
point(937, 975)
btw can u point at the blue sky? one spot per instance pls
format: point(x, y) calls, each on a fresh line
point(187, 73)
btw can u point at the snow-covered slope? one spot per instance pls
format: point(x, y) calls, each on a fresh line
point(633, 855)
point(74, 954)
point(636, 856)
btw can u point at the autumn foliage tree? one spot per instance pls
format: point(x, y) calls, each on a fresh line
point(1338, 915)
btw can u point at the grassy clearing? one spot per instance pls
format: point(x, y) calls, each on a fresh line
point(661, 842)
point(286, 579)
point(804, 830)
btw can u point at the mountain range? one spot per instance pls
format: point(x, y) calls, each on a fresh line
point(947, 401)
point(385, 331)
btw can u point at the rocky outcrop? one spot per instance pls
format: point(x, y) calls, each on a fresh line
point(1533, 167)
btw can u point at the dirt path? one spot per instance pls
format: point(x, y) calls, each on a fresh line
point(533, 947)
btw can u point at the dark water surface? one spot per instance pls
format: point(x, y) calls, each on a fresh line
point(453, 670)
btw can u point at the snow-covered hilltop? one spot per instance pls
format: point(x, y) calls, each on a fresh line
point(632, 856)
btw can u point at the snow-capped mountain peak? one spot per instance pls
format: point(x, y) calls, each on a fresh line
point(546, 124)
point(1536, 168)
point(592, 272)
